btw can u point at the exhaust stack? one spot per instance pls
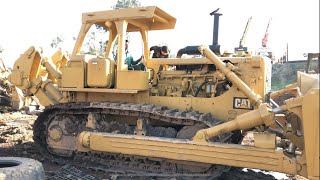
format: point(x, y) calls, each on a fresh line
point(215, 47)
point(215, 26)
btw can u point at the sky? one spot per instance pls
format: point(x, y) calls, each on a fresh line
point(294, 22)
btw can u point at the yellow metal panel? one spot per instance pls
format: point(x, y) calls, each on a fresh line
point(220, 107)
point(113, 95)
point(172, 102)
point(310, 113)
point(121, 30)
point(264, 140)
point(100, 90)
point(100, 72)
point(135, 80)
point(225, 154)
point(74, 74)
point(307, 81)
point(16, 78)
point(26, 67)
point(68, 77)
point(150, 17)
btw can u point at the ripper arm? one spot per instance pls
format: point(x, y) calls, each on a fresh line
point(26, 75)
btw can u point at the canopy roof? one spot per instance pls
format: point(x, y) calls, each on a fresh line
point(146, 18)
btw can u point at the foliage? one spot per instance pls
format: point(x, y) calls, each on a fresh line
point(57, 41)
point(96, 39)
point(126, 4)
point(285, 74)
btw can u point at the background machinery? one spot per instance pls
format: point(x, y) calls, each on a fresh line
point(177, 121)
point(265, 49)
point(242, 50)
point(265, 37)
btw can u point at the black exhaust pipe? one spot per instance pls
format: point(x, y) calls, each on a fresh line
point(215, 47)
point(215, 26)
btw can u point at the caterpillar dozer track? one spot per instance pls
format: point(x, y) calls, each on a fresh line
point(181, 116)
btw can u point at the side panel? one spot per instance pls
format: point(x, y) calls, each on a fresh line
point(141, 97)
point(310, 113)
point(133, 80)
point(74, 74)
point(100, 73)
point(220, 107)
point(225, 154)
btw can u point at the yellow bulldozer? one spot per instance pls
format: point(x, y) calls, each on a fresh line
point(185, 120)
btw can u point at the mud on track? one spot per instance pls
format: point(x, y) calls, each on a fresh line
point(16, 140)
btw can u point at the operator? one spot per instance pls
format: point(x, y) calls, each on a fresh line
point(160, 52)
point(132, 64)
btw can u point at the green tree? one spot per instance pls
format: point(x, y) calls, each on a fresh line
point(63, 42)
point(96, 39)
point(57, 41)
point(126, 4)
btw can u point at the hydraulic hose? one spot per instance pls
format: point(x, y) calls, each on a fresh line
point(200, 87)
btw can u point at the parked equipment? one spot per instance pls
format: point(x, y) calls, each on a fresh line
point(242, 50)
point(182, 120)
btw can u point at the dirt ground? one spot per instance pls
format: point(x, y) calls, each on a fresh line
point(16, 140)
